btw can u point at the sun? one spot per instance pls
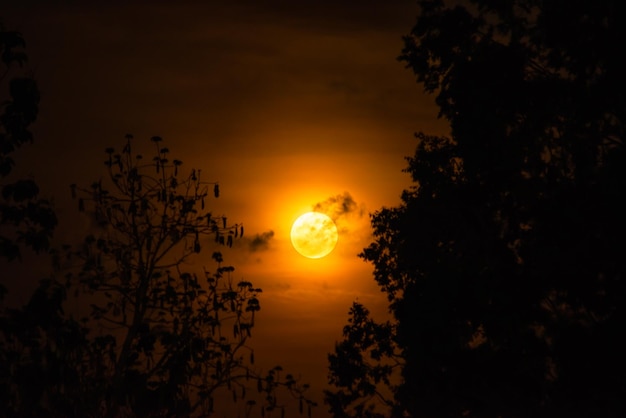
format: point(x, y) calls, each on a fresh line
point(314, 235)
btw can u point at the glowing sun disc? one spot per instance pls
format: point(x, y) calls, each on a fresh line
point(314, 235)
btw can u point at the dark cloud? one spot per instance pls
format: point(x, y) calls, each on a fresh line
point(260, 242)
point(338, 206)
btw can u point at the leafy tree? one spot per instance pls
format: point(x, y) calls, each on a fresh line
point(24, 217)
point(40, 357)
point(365, 364)
point(157, 339)
point(504, 264)
point(25, 220)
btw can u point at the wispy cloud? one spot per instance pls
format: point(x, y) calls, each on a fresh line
point(260, 242)
point(339, 206)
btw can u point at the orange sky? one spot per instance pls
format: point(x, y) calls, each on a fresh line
point(287, 104)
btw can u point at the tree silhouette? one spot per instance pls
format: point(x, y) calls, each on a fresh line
point(182, 336)
point(25, 219)
point(503, 265)
point(158, 339)
point(41, 356)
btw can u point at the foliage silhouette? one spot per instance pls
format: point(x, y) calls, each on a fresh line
point(157, 340)
point(25, 219)
point(41, 356)
point(504, 266)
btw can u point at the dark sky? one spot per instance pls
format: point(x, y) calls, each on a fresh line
point(290, 105)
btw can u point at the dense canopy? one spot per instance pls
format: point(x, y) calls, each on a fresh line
point(504, 264)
